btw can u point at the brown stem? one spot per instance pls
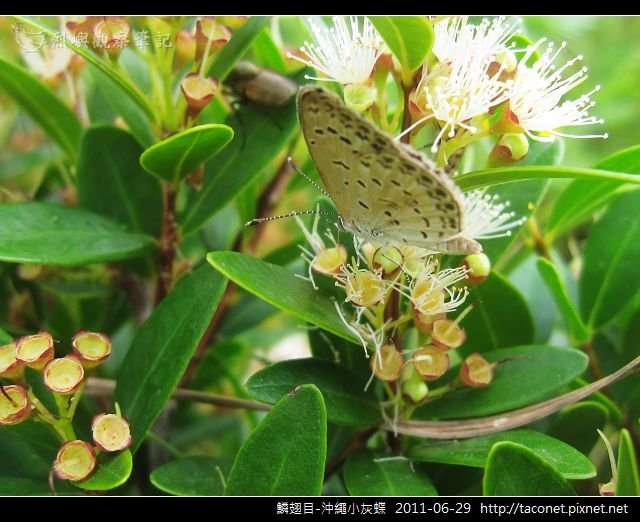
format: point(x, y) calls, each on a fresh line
point(267, 201)
point(406, 113)
point(168, 241)
point(539, 243)
point(357, 442)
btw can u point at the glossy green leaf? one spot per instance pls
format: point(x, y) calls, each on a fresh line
point(190, 476)
point(260, 134)
point(474, 452)
point(330, 347)
point(19, 486)
point(162, 349)
point(409, 37)
point(28, 449)
point(136, 119)
point(555, 284)
point(102, 65)
point(50, 234)
point(367, 473)
point(177, 156)
point(581, 198)
point(343, 391)
point(628, 478)
point(497, 176)
point(43, 105)
point(112, 470)
point(526, 375)
point(500, 319)
point(268, 53)
point(523, 197)
point(610, 275)
point(281, 288)
point(237, 46)
point(577, 425)
point(515, 470)
point(111, 182)
point(285, 454)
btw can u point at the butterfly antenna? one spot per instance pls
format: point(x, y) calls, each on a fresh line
point(257, 221)
point(297, 169)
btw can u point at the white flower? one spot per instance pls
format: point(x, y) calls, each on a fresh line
point(430, 291)
point(485, 218)
point(344, 53)
point(456, 40)
point(536, 95)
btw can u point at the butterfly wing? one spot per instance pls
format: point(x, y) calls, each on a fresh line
point(381, 188)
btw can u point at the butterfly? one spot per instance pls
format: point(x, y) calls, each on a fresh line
point(384, 191)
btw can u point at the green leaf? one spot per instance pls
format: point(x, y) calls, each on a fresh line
point(343, 391)
point(515, 470)
point(101, 64)
point(486, 327)
point(581, 198)
point(190, 476)
point(474, 452)
point(260, 134)
point(281, 288)
point(577, 425)
point(409, 37)
point(43, 105)
point(112, 470)
point(367, 473)
point(163, 347)
point(555, 284)
point(50, 234)
point(239, 44)
point(28, 449)
point(526, 375)
point(172, 159)
point(18, 486)
point(628, 479)
point(610, 277)
point(5, 338)
point(136, 119)
point(523, 199)
point(497, 176)
point(285, 454)
point(268, 53)
point(111, 182)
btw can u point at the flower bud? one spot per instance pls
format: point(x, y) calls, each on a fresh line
point(476, 371)
point(14, 405)
point(414, 388)
point(198, 92)
point(75, 460)
point(185, 49)
point(91, 348)
point(10, 367)
point(608, 489)
point(330, 260)
point(111, 33)
point(431, 362)
point(111, 432)
point(233, 22)
point(64, 376)
point(359, 97)
point(364, 288)
point(212, 34)
point(446, 334)
point(30, 271)
point(35, 350)
point(510, 148)
point(387, 365)
point(368, 250)
point(478, 268)
point(424, 322)
point(389, 259)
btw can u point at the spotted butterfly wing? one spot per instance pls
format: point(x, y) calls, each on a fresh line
point(385, 191)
